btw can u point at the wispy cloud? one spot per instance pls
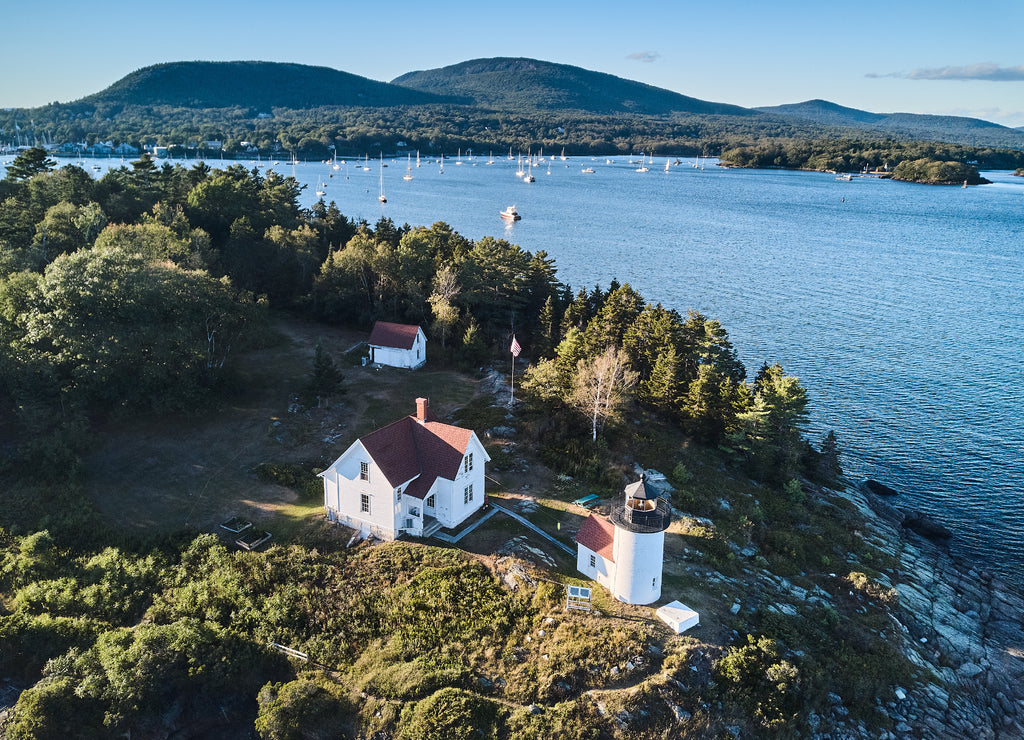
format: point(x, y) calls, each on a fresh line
point(644, 56)
point(983, 71)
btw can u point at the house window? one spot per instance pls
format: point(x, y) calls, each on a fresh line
point(467, 494)
point(468, 464)
point(364, 503)
point(593, 561)
point(364, 471)
point(408, 523)
point(398, 495)
point(430, 502)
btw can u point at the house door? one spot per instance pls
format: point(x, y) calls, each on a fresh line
point(428, 505)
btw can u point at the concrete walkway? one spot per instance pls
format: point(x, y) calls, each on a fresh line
point(449, 538)
point(527, 523)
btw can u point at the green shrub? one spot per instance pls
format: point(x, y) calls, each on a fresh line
point(53, 709)
point(309, 707)
point(298, 477)
point(755, 677)
point(452, 714)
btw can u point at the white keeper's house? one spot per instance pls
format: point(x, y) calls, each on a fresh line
point(398, 345)
point(414, 476)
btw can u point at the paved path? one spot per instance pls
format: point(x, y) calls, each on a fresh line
point(449, 538)
point(526, 522)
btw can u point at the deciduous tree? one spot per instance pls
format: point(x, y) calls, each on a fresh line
point(601, 387)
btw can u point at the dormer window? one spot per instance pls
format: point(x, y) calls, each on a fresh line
point(468, 463)
point(364, 471)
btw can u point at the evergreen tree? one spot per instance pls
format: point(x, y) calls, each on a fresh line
point(29, 163)
point(547, 336)
point(828, 459)
point(661, 390)
point(473, 348)
point(326, 378)
point(577, 313)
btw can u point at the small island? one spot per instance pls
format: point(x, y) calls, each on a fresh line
point(934, 172)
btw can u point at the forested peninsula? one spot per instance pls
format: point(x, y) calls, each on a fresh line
point(180, 345)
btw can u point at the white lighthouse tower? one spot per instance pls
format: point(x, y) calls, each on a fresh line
point(625, 552)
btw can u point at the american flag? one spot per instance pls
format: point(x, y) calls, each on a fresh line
point(516, 349)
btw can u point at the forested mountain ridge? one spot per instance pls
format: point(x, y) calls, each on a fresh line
point(518, 83)
point(315, 112)
point(951, 129)
point(262, 85)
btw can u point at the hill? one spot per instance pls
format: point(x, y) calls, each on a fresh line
point(953, 129)
point(505, 83)
point(262, 85)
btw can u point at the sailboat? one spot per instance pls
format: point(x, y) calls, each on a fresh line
point(417, 159)
point(320, 188)
point(491, 159)
point(366, 166)
point(459, 158)
point(381, 197)
point(442, 163)
point(643, 164)
point(562, 157)
point(667, 164)
point(529, 174)
point(408, 169)
point(520, 172)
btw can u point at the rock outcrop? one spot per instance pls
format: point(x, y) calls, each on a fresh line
point(962, 626)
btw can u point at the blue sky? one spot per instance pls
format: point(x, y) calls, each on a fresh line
point(937, 57)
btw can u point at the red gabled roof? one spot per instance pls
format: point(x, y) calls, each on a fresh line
point(597, 534)
point(406, 448)
point(399, 336)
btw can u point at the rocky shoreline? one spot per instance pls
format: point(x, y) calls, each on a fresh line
point(961, 625)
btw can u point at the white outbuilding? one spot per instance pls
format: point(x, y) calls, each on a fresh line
point(398, 345)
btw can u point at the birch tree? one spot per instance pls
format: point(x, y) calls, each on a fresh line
point(601, 386)
point(442, 301)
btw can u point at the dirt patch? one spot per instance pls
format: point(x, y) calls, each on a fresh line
point(168, 472)
point(171, 472)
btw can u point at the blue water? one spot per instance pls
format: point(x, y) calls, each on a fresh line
point(898, 306)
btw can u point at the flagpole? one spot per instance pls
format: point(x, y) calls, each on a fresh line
point(515, 349)
point(512, 393)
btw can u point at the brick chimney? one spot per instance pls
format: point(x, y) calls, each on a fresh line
point(422, 405)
